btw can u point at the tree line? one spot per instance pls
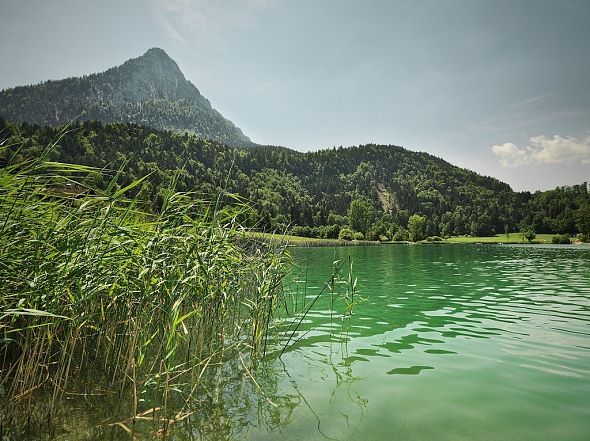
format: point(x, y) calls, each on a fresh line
point(375, 191)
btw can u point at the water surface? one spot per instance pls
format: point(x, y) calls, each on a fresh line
point(453, 342)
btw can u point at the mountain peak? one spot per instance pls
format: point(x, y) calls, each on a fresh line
point(156, 52)
point(149, 90)
point(156, 63)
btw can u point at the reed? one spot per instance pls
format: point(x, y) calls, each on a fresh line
point(98, 290)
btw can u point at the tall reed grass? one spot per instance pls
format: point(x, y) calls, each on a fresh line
point(96, 290)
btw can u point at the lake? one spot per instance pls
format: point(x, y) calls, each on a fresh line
point(453, 342)
point(445, 342)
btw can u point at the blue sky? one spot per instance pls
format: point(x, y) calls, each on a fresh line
point(500, 87)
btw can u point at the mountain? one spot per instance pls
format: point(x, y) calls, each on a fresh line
point(310, 190)
point(149, 90)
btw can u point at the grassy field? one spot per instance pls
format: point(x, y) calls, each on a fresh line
point(500, 238)
point(297, 241)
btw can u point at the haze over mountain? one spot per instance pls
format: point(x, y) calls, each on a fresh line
point(149, 90)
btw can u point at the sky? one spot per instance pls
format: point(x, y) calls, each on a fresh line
point(499, 87)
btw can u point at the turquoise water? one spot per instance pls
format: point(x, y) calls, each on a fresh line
point(453, 342)
point(445, 342)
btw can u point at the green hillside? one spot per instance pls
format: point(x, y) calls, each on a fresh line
point(311, 193)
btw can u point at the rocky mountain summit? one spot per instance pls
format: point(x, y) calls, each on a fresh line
point(150, 90)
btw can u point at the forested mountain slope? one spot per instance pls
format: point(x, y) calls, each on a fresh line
point(149, 90)
point(308, 189)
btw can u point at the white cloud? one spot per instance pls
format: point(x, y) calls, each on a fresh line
point(559, 149)
point(542, 149)
point(510, 155)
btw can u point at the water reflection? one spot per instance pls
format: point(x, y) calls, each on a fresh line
point(412, 370)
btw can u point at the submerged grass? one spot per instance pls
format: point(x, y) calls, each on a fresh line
point(146, 304)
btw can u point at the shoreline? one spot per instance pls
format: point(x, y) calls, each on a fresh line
point(298, 241)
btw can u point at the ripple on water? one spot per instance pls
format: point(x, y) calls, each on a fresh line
point(499, 334)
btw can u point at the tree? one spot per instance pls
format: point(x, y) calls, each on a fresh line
point(377, 230)
point(336, 219)
point(583, 219)
point(400, 235)
point(417, 227)
point(346, 233)
point(330, 231)
point(360, 215)
point(528, 233)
